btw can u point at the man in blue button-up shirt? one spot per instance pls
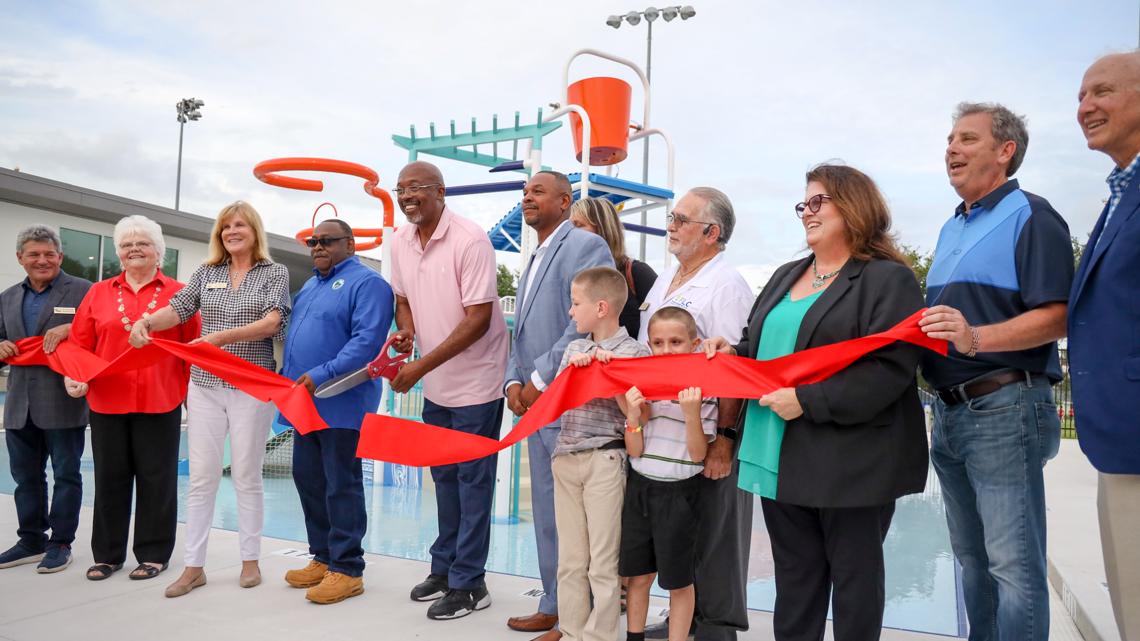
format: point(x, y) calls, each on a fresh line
point(340, 320)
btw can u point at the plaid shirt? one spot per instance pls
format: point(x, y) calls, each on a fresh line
point(1117, 181)
point(264, 289)
point(598, 421)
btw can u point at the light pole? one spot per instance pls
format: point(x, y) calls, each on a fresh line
point(633, 18)
point(187, 110)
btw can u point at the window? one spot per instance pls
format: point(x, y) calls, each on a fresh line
point(93, 257)
point(81, 253)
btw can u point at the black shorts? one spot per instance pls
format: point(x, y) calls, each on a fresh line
point(659, 529)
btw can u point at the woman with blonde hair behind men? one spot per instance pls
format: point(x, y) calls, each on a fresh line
point(243, 297)
point(134, 436)
point(599, 216)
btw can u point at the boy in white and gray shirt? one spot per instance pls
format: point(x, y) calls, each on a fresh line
point(667, 442)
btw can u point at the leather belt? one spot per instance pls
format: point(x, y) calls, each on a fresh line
point(614, 445)
point(980, 387)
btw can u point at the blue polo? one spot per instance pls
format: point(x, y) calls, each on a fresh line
point(339, 323)
point(1008, 254)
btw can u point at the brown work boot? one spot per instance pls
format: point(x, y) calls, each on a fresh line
point(335, 587)
point(307, 576)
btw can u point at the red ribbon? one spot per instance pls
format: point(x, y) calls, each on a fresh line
point(396, 440)
point(75, 362)
point(407, 442)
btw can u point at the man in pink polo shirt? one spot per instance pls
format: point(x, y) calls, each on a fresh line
point(443, 274)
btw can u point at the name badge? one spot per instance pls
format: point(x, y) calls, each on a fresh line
point(644, 306)
point(221, 285)
point(64, 310)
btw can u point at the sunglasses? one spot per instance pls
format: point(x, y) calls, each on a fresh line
point(813, 204)
point(324, 241)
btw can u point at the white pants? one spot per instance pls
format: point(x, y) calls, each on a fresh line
point(1118, 506)
point(212, 413)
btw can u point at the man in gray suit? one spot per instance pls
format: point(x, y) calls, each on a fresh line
point(40, 419)
point(543, 329)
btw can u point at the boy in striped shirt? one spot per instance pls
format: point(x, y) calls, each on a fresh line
point(666, 442)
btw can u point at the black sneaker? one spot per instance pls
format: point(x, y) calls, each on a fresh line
point(19, 555)
point(660, 630)
point(432, 588)
point(57, 558)
point(460, 603)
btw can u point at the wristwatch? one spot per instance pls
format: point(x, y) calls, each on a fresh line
point(729, 433)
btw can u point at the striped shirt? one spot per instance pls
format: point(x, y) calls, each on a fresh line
point(264, 289)
point(666, 456)
point(599, 421)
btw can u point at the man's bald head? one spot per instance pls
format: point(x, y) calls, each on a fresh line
point(419, 191)
point(1109, 108)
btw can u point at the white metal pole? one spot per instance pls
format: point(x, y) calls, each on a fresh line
point(178, 180)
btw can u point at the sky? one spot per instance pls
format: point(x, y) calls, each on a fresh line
point(753, 94)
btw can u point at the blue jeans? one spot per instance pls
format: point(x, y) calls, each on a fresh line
point(989, 455)
point(330, 483)
point(28, 450)
point(463, 496)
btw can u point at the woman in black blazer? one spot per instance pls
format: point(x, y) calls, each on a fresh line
point(829, 459)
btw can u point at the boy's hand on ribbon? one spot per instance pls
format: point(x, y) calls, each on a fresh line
point(690, 400)
point(581, 360)
point(603, 355)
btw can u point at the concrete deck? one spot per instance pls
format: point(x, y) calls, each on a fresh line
point(1076, 567)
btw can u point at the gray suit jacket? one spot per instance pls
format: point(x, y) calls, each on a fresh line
point(36, 393)
point(543, 327)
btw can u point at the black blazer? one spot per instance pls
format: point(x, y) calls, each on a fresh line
point(862, 438)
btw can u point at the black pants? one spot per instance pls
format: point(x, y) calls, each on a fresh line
point(822, 551)
point(135, 450)
point(723, 543)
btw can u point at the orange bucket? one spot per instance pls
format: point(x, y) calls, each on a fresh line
point(607, 101)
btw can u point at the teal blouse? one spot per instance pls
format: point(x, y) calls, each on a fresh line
point(763, 429)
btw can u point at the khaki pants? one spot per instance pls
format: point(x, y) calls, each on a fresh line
point(1118, 506)
point(589, 488)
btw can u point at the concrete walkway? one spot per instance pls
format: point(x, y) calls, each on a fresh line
point(1076, 567)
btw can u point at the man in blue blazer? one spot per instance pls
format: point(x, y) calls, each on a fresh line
point(543, 329)
point(1104, 329)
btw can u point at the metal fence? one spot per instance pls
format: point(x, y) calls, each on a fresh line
point(1062, 397)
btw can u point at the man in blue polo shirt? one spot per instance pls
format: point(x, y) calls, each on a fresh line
point(997, 290)
point(340, 321)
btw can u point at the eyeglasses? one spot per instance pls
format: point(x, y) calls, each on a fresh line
point(813, 204)
point(680, 221)
point(412, 189)
point(142, 244)
point(323, 241)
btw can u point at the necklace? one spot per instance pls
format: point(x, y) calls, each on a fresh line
point(683, 276)
point(821, 279)
point(127, 324)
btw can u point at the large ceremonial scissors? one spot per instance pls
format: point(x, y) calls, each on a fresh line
point(382, 366)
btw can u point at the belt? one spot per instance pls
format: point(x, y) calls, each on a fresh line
point(980, 387)
point(614, 445)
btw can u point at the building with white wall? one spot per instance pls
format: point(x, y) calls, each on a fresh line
point(86, 220)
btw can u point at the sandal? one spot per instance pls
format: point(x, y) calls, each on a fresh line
point(146, 571)
point(101, 571)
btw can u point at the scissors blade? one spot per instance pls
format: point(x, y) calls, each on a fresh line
point(342, 384)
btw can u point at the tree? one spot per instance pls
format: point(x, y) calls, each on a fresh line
point(1078, 250)
point(920, 263)
point(505, 281)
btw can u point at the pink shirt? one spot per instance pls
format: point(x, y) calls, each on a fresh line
point(456, 269)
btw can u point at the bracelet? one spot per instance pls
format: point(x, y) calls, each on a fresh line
point(975, 342)
point(632, 427)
